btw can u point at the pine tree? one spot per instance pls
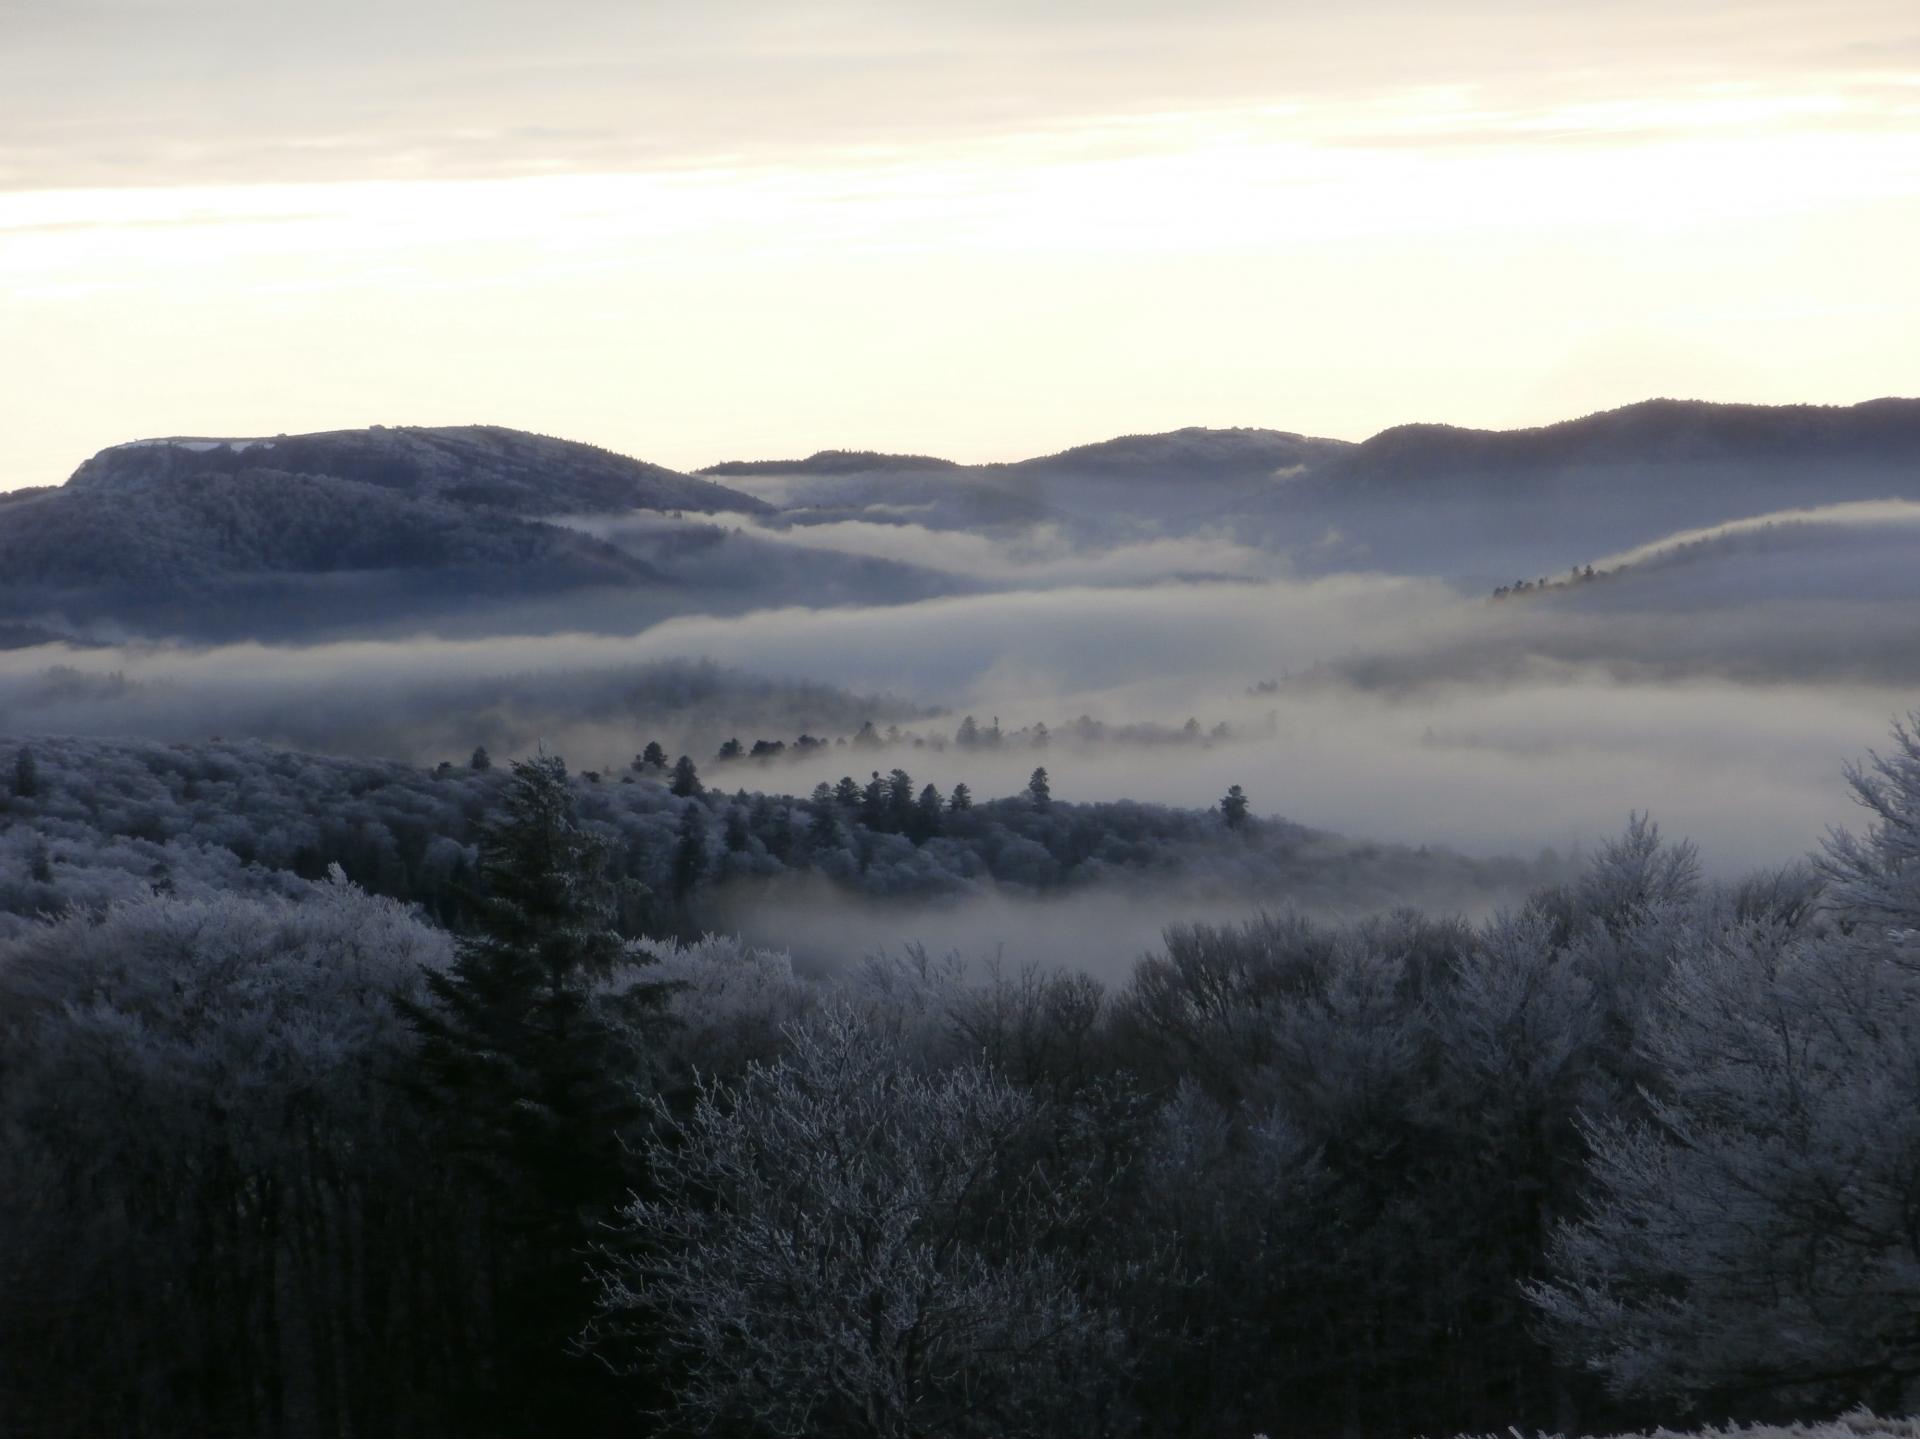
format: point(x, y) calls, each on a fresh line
point(926, 820)
point(873, 804)
point(26, 774)
point(531, 1046)
point(1233, 807)
point(689, 852)
point(654, 755)
point(686, 779)
point(846, 794)
point(731, 750)
point(968, 735)
point(962, 800)
point(1039, 791)
point(480, 758)
point(900, 801)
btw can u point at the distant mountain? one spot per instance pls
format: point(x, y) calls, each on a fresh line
point(1188, 456)
point(1663, 434)
point(831, 462)
point(480, 466)
point(1488, 506)
point(249, 536)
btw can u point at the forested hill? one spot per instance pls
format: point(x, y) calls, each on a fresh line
point(271, 537)
point(86, 821)
point(471, 465)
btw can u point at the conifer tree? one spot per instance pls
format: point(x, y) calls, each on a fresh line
point(1039, 791)
point(531, 1048)
point(480, 759)
point(926, 820)
point(962, 800)
point(686, 779)
point(1233, 807)
point(26, 774)
point(689, 852)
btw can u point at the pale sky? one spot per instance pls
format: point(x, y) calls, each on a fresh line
point(752, 228)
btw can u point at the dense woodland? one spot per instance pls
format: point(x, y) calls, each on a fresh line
point(292, 1157)
point(103, 819)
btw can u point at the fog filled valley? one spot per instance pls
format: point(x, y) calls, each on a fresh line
point(1206, 933)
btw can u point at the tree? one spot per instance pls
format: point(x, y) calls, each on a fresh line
point(532, 1047)
point(1040, 736)
point(654, 755)
point(689, 852)
point(874, 808)
point(686, 779)
point(926, 822)
point(1752, 1232)
point(846, 794)
point(731, 750)
point(1877, 877)
point(844, 1244)
point(962, 800)
point(26, 774)
point(1233, 807)
point(968, 735)
point(480, 759)
point(900, 800)
point(867, 737)
point(1038, 790)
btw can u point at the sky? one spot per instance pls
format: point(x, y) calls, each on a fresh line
point(748, 229)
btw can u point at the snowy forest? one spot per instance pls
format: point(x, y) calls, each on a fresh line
point(342, 1098)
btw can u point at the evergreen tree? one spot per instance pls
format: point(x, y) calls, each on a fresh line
point(530, 1046)
point(962, 800)
point(926, 822)
point(686, 779)
point(731, 750)
point(1233, 807)
point(1041, 738)
point(737, 833)
point(868, 737)
point(480, 759)
point(874, 807)
point(26, 774)
point(846, 794)
point(968, 735)
point(1039, 791)
point(900, 801)
point(654, 755)
point(689, 852)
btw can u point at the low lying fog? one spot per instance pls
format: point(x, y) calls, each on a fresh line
point(1372, 706)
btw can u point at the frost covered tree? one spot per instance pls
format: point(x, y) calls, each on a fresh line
point(1753, 1234)
point(214, 1218)
point(1875, 878)
point(846, 1244)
